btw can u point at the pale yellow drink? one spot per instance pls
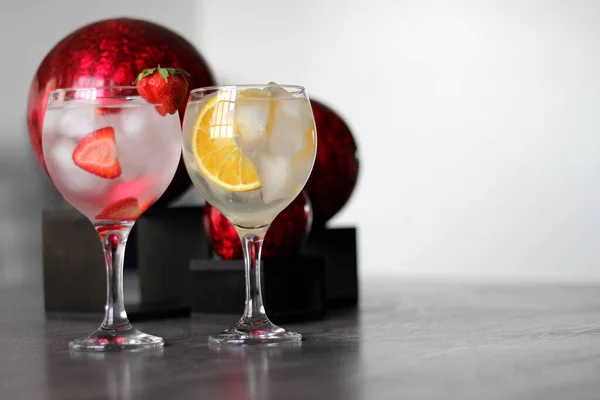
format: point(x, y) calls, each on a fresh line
point(249, 151)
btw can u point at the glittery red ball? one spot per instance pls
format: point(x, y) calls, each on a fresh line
point(113, 52)
point(284, 238)
point(336, 166)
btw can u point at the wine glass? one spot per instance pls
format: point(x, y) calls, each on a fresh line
point(111, 155)
point(249, 149)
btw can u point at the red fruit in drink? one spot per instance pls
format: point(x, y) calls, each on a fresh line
point(104, 106)
point(164, 86)
point(127, 209)
point(97, 153)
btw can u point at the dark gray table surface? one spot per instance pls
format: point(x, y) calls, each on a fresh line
point(409, 340)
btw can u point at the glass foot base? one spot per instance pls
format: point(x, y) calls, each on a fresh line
point(104, 340)
point(254, 333)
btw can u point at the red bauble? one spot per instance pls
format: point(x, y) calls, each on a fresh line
point(113, 52)
point(336, 167)
point(284, 238)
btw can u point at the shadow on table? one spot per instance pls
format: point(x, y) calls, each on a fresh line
point(95, 375)
point(325, 365)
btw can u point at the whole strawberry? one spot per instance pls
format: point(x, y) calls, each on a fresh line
point(166, 87)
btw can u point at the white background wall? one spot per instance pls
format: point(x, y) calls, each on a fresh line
point(476, 120)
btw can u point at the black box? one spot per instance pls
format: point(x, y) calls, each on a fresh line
point(293, 289)
point(167, 240)
point(338, 247)
point(161, 244)
point(73, 261)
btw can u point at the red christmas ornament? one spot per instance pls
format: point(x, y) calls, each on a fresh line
point(335, 171)
point(113, 52)
point(284, 238)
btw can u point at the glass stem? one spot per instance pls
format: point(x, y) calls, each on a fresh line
point(252, 240)
point(114, 239)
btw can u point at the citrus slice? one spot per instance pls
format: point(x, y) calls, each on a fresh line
point(215, 150)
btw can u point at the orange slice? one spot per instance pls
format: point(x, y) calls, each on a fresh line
point(215, 150)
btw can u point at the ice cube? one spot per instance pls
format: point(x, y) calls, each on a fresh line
point(148, 143)
point(134, 133)
point(287, 133)
point(66, 174)
point(278, 91)
point(274, 172)
point(133, 157)
point(250, 119)
point(291, 120)
point(164, 146)
point(77, 121)
point(301, 108)
point(134, 120)
point(51, 120)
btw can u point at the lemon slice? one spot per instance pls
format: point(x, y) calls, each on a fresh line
point(215, 150)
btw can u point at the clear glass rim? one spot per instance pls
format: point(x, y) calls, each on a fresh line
point(293, 89)
point(93, 88)
point(127, 92)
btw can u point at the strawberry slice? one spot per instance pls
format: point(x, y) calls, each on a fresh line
point(104, 105)
point(97, 153)
point(127, 209)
